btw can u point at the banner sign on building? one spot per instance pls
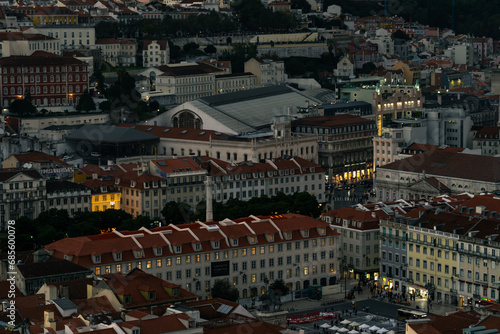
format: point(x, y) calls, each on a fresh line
point(220, 268)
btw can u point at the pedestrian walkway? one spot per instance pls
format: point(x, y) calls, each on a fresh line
point(306, 304)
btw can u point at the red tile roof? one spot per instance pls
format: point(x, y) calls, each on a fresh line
point(126, 242)
point(450, 164)
point(487, 132)
point(136, 281)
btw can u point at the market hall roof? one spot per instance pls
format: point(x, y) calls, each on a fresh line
point(110, 134)
point(244, 111)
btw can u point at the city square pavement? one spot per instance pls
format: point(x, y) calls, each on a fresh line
point(379, 313)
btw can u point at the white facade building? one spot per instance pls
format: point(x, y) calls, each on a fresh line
point(268, 72)
point(69, 36)
point(249, 252)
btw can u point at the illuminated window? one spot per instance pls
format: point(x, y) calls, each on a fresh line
point(158, 263)
point(188, 259)
point(118, 268)
point(178, 260)
point(253, 251)
point(97, 270)
point(108, 270)
point(148, 264)
point(168, 262)
point(306, 271)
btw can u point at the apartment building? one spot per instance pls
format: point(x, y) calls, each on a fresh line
point(69, 36)
point(268, 72)
point(105, 194)
point(227, 83)
point(49, 79)
point(359, 229)
point(24, 44)
point(184, 178)
point(245, 180)
point(249, 252)
point(69, 196)
point(345, 149)
point(395, 102)
point(486, 139)
point(118, 52)
point(22, 193)
point(155, 53)
point(188, 81)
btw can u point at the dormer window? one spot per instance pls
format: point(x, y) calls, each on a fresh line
point(155, 184)
point(178, 249)
point(253, 240)
point(322, 231)
point(117, 256)
point(305, 233)
point(136, 331)
point(216, 244)
point(152, 295)
point(270, 237)
point(234, 242)
point(158, 251)
point(163, 183)
point(127, 299)
point(197, 246)
point(288, 235)
point(138, 254)
point(132, 184)
point(146, 185)
point(96, 258)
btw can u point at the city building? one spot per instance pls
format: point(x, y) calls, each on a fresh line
point(184, 178)
point(105, 194)
point(245, 180)
point(155, 53)
point(268, 72)
point(227, 83)
point(34, 126)
point(187, 81)
point(47, 165)
point(395, 102)
point(42, 269)
point(23, 193)
point(411, 72)
point(136, 288)
point(359, 244)
point(24, 44)
point(345, 149)
point(250, 252)
point(49, 80)
point(486, 139)
point(436, 172)
point(69, 196)
point(69, 36)
point(118, 52)
point(249, 112)
point(233, 148)
point(345, 68)
point(357, 108)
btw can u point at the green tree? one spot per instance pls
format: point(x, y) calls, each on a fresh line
point(210, 49)
point(222, 289)
point(190, 47)
point(176, 213)
point(22, 107)
point(279, 287)
point(306, 204)
point(86, 102)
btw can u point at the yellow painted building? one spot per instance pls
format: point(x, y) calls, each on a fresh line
point(53, 15)
point(105, 195)
point(433, 263)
